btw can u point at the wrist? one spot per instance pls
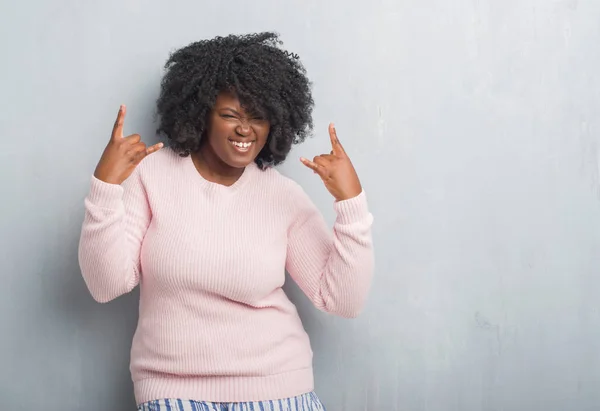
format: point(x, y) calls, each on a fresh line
point(352, 210)
point(106, 178)
point(350, 195)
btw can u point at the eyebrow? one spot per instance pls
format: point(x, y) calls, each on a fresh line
point(257, 115)
point(229, 109)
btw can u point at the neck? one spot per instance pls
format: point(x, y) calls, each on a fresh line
point(213, 169)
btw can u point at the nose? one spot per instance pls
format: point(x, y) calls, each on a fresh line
point(243, 129)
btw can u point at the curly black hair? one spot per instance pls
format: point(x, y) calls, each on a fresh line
point(266, 79)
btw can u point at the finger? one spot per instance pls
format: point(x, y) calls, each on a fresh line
point(322, 160)
point(154, 148)
point(336, 146)
point(138, 153)
point(134, 151)
point(312, 165)
point(133, 139)
point(117, 132)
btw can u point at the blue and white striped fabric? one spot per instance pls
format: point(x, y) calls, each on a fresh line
point(305, 402)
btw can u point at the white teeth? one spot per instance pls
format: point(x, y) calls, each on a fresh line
point(242, 145)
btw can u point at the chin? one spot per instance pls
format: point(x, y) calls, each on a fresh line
point(239, 162)
point(236, 159)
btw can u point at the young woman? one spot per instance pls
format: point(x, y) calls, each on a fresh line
point(207, 228)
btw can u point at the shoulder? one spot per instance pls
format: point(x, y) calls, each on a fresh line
point(281, 184)
point(163, 165)
point(165, 157)
point(286, 195)
point(160, 169)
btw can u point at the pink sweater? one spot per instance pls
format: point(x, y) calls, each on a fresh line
point(214, 323)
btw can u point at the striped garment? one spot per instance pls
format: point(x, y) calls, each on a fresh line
point(305, 402)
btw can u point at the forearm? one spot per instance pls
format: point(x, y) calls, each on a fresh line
point(335, 269)
point(107, 255)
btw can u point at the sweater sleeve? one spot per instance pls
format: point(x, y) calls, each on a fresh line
point(115, 223)
point(334, 269)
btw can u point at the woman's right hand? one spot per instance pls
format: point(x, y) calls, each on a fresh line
point(122, 154)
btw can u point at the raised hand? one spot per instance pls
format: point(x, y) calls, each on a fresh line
point(122, 154)
point(336, 170)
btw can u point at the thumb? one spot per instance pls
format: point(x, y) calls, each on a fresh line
point(154, 148)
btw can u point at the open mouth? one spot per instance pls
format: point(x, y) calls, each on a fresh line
point(242, 146)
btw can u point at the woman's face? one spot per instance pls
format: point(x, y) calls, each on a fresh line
point(234, 135)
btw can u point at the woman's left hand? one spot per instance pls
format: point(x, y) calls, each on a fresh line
point(336, 170)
